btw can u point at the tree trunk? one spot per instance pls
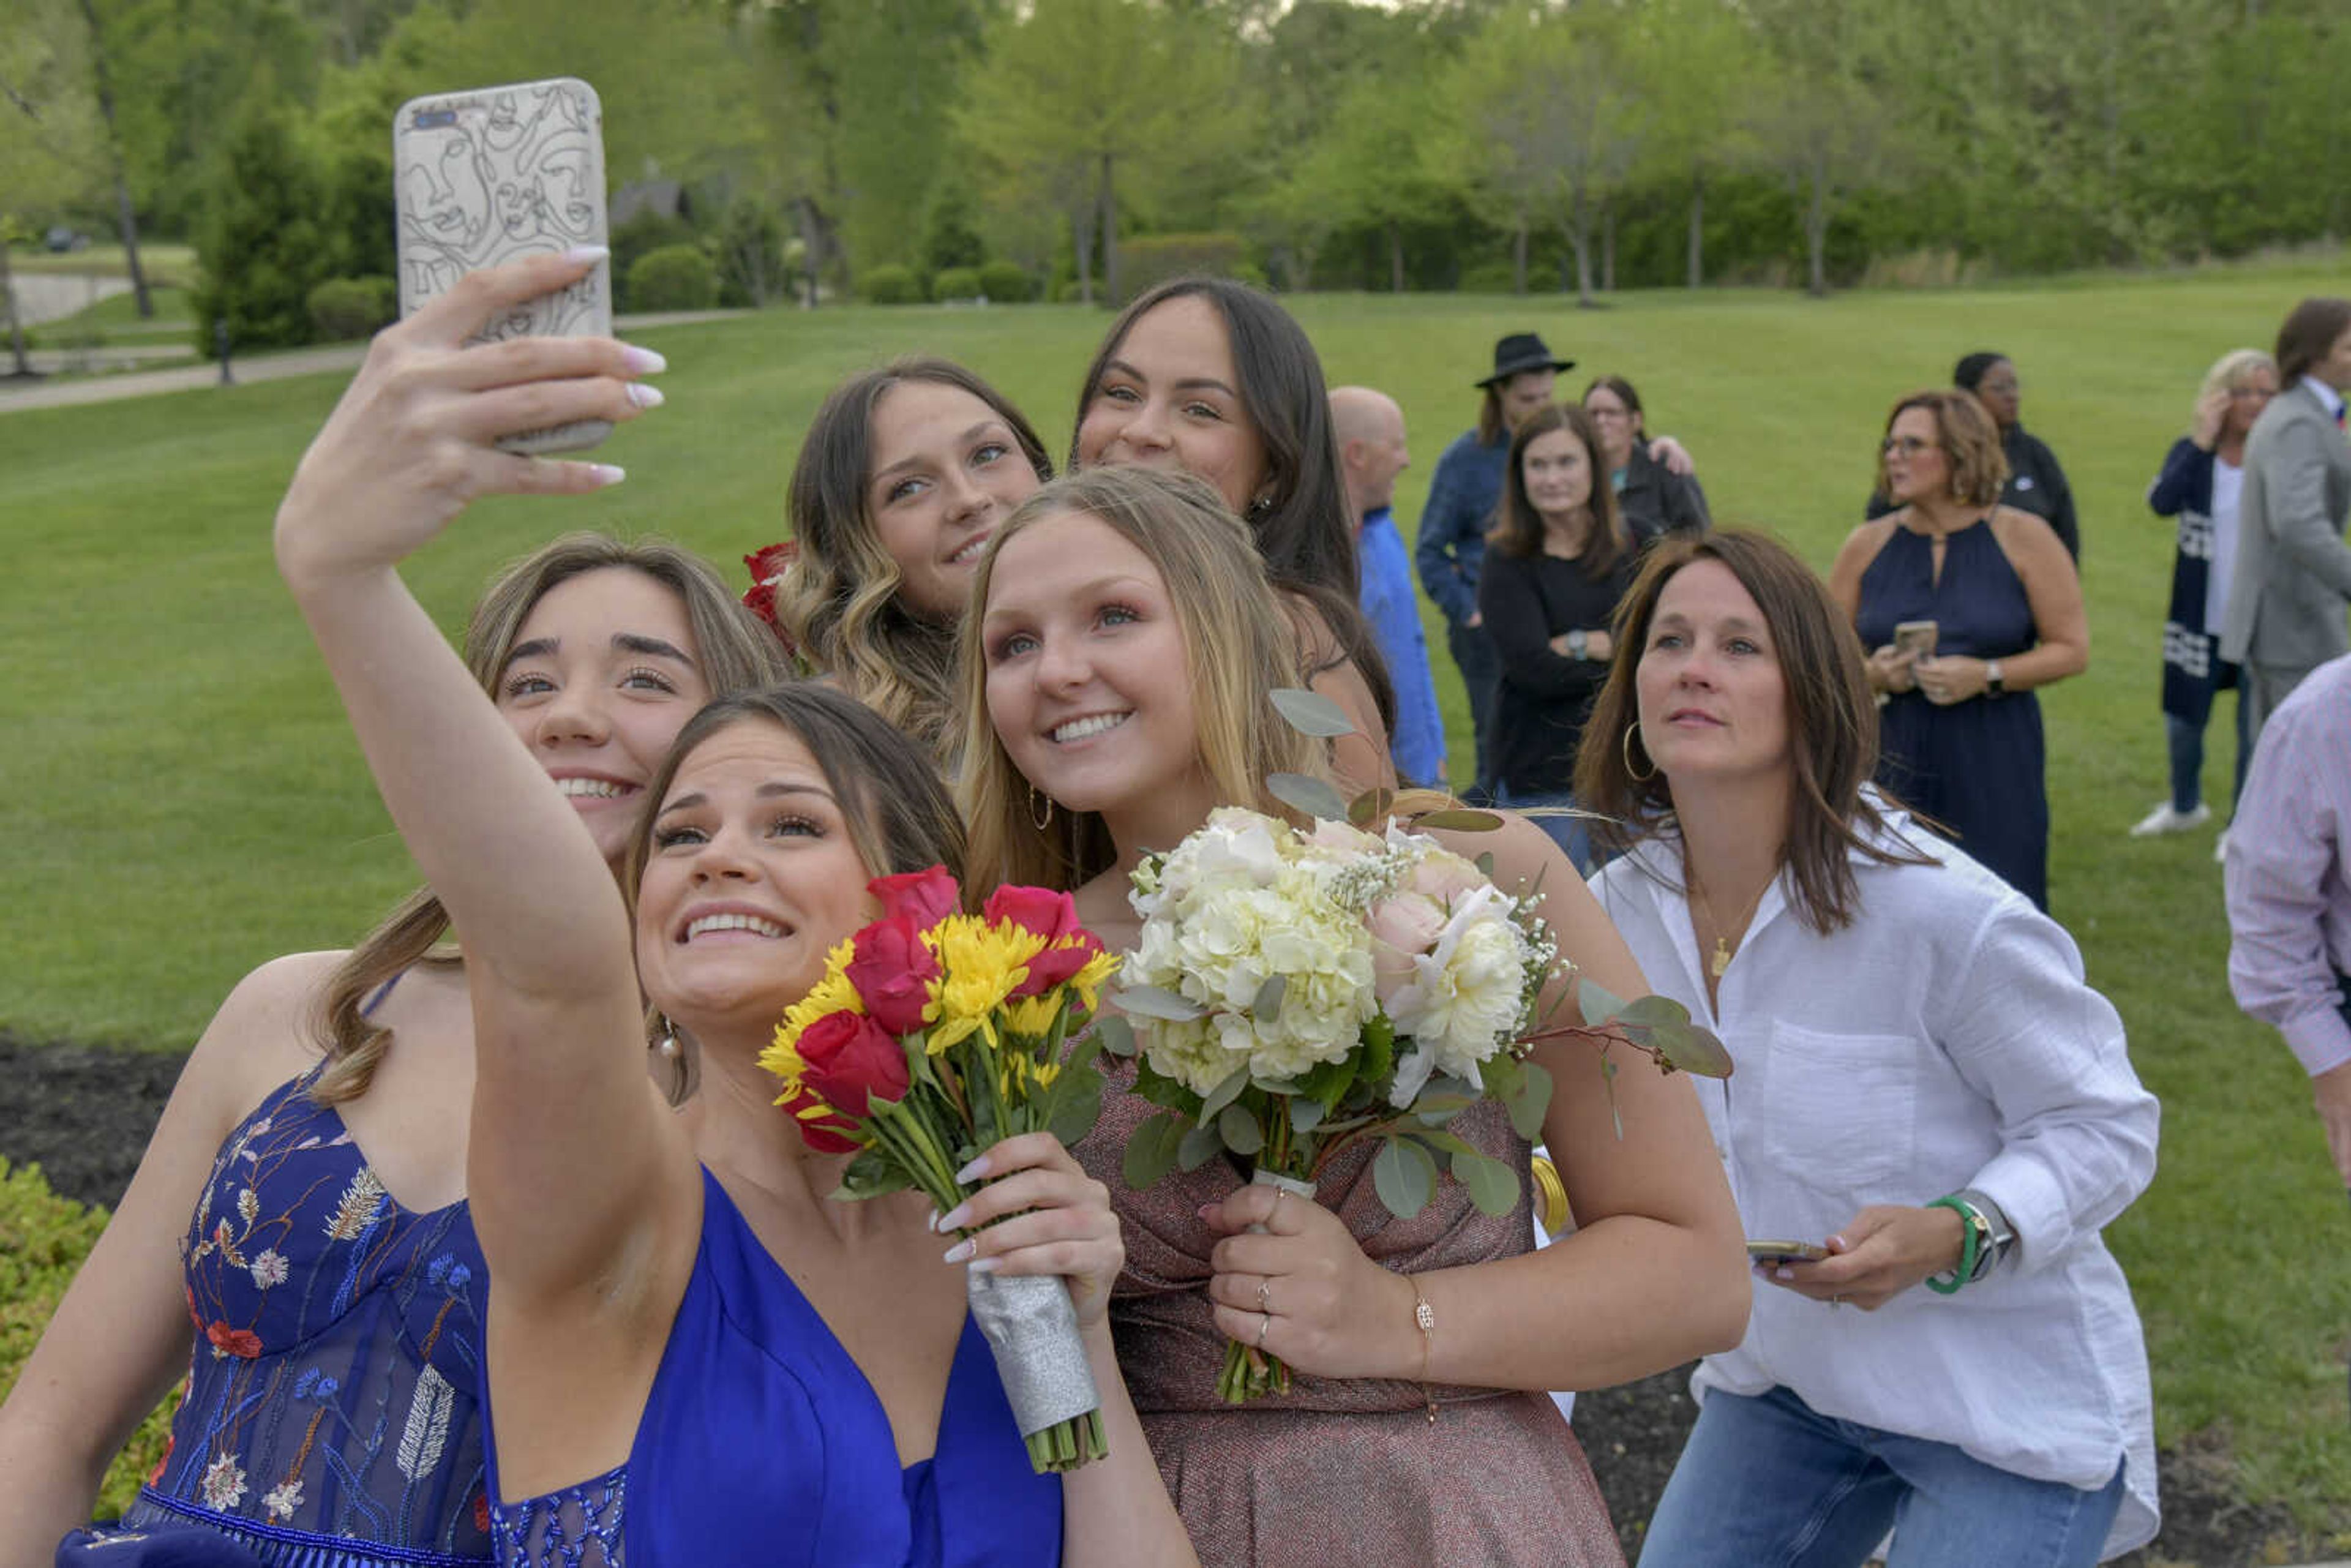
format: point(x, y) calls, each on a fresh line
point(1108, 197)
point(1579, 235)
point(813, 242)
point(1082, 241)
point(1816, 232)
point(125, 219)
point(1518, 258)
point(1395, 257)
point(1608, 248)
point(1698, 229)
point(16, 326)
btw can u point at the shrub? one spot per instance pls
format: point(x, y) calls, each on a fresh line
point(753, 264)
point(42, 1240)
point(1250, 273)
point(951, 228)
point(342, 308)
point(890, 285)
point(1492, 278)
point(1155, 258)
point(956, 283)
point(647, 232)
point(260, 247)
point(675, 278)
point(1069, 292)
point(1004, 282)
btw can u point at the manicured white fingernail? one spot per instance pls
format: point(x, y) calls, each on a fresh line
point(582, 255)
point(985, 1265)
point(608, 472)
point(642, 361)
point(931, 1220)
point(644, 395)
point(1783, 1272)
point(1838, 1243)
point(958, 1252)
point(974, 1171)
point(954, 1219)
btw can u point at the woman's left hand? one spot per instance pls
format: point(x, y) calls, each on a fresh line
point(1061, 1221)
point(1882, 1251)
point(1951, 678)
point(1304, 1292)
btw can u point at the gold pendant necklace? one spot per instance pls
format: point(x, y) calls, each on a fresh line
point(1719, 963)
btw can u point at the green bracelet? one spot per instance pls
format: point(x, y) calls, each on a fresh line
point(1972, 1224)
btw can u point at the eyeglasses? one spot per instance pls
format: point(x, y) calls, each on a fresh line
point(2264, 394)
point(2001, 389)
point(1909, 446)
point(1607, 412)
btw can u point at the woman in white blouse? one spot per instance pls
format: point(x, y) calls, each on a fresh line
point(1927, 1092)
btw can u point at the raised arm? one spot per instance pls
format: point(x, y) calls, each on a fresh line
point(547, 940)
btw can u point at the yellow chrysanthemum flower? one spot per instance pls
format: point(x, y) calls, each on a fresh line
point(832, 994)
point(981, 965)
point(1032, 1016)
point(1098, 971)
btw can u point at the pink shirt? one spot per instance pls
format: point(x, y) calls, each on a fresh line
point(2289, 882)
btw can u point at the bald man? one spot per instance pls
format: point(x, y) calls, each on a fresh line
point(1371, 453)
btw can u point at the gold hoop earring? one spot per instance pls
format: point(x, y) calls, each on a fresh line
point(1638, 777)
point(1041, 818)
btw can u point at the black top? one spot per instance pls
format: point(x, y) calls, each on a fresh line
point(1656, 500)
point(2035, 483)
point(1543, 696)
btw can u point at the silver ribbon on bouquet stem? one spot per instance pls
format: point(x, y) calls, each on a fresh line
point(1033, 1328)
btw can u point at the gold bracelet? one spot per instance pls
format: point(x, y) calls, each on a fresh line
point(1426, 1319)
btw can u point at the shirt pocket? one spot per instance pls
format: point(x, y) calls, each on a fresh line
point(1839, 1112)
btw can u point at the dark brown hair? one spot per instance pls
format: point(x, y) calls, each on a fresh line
point(1303, 530)
point(1518, 529)
point(1968, 437)
point(838, 600)
point(1832, 722)
point(2310, 330)
point(1625, 394)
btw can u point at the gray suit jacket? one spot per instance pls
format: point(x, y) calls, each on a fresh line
point(2293, 579)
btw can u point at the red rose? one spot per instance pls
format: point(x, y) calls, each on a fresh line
point(893, 970)
point(233, 1341)
point(929, 896)
point(1055, 964)
point(760, 598)
point(823, 1133)
point(1053, 916)
point(768, 564)
point(846, 1057)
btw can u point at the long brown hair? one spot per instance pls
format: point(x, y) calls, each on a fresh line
point(736, 651)
point(838, 600)
point(1518, 527)
point(2308, 332)
point(1832, 722)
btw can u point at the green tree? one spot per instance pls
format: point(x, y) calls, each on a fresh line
point(1696, 61)
point(1365, 169)
point(261, 246)
point(49, 132)
point(1822, 122)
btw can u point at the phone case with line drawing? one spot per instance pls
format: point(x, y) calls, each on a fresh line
point(493, 175)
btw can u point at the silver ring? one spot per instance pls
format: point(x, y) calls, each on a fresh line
point(1262, 1330)
point(1265, 1297)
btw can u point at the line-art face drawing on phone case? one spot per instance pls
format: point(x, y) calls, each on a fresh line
point(490, 178)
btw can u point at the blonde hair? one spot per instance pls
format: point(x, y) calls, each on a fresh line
point(2229, 371)
point(736, 651)
point(1239, 644)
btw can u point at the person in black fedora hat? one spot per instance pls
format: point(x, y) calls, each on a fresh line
point(1523, 355)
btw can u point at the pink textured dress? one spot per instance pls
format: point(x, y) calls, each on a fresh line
point(1340, 1469)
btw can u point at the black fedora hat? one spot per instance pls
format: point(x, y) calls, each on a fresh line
point(1520, 352)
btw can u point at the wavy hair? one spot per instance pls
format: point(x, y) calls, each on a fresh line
point(1239, 644)
point(1968, 439)
point(1518, 527)
point(2231, 371)
point(838, 600)
point(735, 650)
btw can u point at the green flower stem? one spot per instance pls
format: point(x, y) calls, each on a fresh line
point(1066, 1444)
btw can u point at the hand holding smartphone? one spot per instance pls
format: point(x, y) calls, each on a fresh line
point(492, 176)
point(1916, 638)
point(1778, 1252)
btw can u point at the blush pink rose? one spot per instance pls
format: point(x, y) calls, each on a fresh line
point(1404, 926)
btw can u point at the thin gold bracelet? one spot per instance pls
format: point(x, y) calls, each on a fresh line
point(1426, 1318)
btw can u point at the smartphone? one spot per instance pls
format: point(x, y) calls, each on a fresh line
point(1916, 638)
point(1785, 1252)
point(496, 174)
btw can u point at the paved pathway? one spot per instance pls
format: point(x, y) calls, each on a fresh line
point(52, 296)
point(260, 367)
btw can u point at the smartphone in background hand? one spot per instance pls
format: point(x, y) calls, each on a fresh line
point(1785, 1252)
point(493, 175)
point(1916, 638)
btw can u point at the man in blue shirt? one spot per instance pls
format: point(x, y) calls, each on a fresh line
point(1462, 495)
point(1371, 451)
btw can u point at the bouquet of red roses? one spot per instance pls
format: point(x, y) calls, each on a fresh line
point(933, 1036)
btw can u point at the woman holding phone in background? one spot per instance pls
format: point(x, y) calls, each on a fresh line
point(1927, 1091)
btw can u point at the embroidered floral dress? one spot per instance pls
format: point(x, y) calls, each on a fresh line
point(332, 1416)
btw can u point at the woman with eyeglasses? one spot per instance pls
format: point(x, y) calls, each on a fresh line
point(1967, 606)
point(2036, 481)
point(2203, 477)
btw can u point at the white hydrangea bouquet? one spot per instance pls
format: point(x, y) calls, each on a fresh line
point(1296, 991)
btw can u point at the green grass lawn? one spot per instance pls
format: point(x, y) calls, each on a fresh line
point(183, 799)
point(165, 265)
point(115, 318)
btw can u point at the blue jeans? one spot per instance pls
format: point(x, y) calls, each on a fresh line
point(1767, 1482)
point(1480, 667)
point(1572, 834)
point(2186, 742)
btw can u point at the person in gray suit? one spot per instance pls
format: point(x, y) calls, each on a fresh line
point(2292, 580)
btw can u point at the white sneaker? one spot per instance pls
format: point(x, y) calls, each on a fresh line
point(2164, 819)
point(2220, 850)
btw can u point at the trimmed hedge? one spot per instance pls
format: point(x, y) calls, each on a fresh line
point(674, 277)
point(1005, 283)
point(890, 285)
point(42, 1240)
point(956, 283)
point(342, 308)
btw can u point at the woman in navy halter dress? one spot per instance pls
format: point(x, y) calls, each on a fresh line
point(694, 1353)
point(1960, 733)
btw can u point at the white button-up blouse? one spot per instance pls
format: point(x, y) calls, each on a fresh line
point(1944, 1040)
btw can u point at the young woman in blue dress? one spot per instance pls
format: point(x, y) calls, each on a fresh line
point(329, 1280)
point(693, 1354)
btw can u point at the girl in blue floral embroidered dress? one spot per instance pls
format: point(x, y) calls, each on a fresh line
point(328, 1280)
point(694, 1355)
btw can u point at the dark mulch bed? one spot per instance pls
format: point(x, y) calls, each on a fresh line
point(84, 1114)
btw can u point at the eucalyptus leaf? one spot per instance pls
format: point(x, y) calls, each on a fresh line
point(1405, 1177)
point(1267, 1005)
point(1596, 1002)
point(1370, 807)
point(1312, 713)
point(1436, 1139)
point(1079, 1107)
point(1199, 1145)
point(1225, 1092)
point(1309, 795)
point(1531, 1102)
point(1653, 1009)
point(1485, 864)
point(1693, 1048)
point(1459, 819)
point(1157, 1002)
point(1241, 1133)
point(1151, 1151)
point(1305, 1112)
point(1117, 1035)
point(1493, 1186)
